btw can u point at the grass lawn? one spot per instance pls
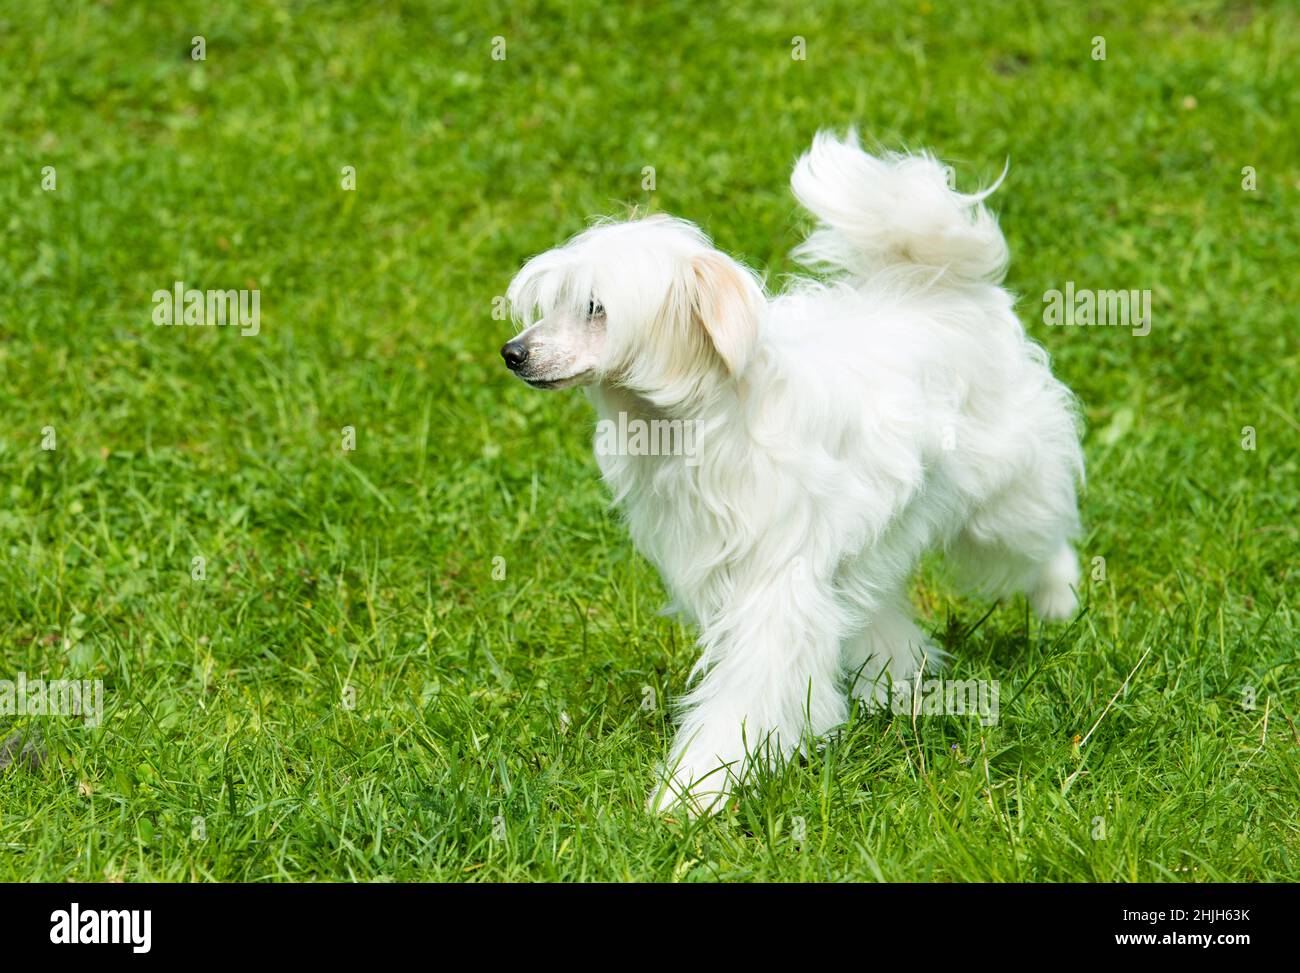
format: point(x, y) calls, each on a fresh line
point(437, 656)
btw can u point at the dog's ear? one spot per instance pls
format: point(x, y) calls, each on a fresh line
point(727, 300)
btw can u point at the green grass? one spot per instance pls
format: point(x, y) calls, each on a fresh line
point(498, 729)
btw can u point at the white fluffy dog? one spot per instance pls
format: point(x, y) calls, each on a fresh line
point(842, 429)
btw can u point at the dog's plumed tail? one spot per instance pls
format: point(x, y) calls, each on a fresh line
point(893, 211)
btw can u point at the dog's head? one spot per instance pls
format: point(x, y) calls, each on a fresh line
point(648, 305)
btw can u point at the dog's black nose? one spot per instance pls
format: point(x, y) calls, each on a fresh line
point(515, 354)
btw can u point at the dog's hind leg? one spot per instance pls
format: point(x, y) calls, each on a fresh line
point(884, 658)
point(1021, 544)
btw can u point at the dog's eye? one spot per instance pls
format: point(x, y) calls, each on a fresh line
point(595, 309)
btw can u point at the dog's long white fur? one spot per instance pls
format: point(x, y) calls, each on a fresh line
point(892, 405)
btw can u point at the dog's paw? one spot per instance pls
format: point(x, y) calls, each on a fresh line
point(890, 690)
point(676, 797)
point(1053, 598)
point(874, 691)
point(1054, 603)
point(695, 796)
point(884, 696)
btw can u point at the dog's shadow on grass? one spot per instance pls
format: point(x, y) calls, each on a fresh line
point(993, 640)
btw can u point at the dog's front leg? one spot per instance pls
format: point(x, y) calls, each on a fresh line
point(769, 683)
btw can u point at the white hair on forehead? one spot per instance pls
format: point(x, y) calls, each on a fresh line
point(547, 283)
point(618, 257)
